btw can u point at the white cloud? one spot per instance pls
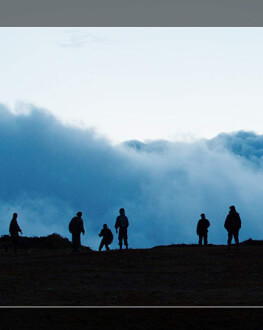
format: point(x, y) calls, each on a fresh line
point(79, 39)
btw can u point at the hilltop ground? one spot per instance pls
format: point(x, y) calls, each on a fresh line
point(161, 276)
point(168, 275)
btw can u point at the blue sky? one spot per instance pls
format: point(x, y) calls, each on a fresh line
point(137, 83)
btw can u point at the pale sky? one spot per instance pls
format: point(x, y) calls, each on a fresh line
point(137, 83)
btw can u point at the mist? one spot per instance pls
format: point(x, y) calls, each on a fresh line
point(49, 171)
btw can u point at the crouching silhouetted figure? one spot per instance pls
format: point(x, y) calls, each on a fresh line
point(107, 237)
point(76, 227)
point(232, 225)
point(122, 223)
point(202, 229)
point(14, 229)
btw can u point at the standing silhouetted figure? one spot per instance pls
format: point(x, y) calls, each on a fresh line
point(76, 227)
point(202, 229)
point(232, 225)
point(122, 223)
point(107, 237)
point(14, 229)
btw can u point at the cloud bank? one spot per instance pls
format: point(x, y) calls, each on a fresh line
point(49, 171)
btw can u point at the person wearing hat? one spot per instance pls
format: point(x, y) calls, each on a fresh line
point(122, 224)
point(232, 225)
point(202, 229)
point(76, 227)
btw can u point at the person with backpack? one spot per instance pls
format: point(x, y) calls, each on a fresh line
point(232, 225)
point(122, 223)
point(202, 229)
point(14, 231)
point(76, 227)
point(107, 237)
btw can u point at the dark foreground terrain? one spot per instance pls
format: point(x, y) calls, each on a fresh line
point(161, 276)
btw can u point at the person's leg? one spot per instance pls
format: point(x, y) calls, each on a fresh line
point(78, 242)
point(101, 245)
point(74, 242)
point(125, 238)
point(120, 237)
point(229, 240)
point(205, 239)
point(120, 242)
point(107, 247)
point(236, 239)
point(200, 240)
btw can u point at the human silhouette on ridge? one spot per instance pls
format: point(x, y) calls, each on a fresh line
point(202, 229)
point(107, 237)
point(232, 225)
point(122, 223)
point(76, 227)
point(14, 230)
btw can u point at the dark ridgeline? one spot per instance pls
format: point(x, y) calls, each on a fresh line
point(202, 229)
point(232, 225)
point(122, 223)
point(107, 237)
point(76, 227)
point(51, 242)
point(14, 230)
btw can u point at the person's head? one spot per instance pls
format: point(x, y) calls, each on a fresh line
point(79, 214)
point(105, 226)
point(122, 211)
point(232, 208)
point(14, 215)
point(203, 216)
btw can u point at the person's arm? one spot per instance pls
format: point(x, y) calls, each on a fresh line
point(197, 228)
point(226, 223)
point(82, 229)
point(18, 228)
point(239, 221)
point(70, 226)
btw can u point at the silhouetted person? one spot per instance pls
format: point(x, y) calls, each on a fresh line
point(14, 231)
point(107, 237)
point(122, 223)
point(76, 227)
point(232, 225)
point(202, 229)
